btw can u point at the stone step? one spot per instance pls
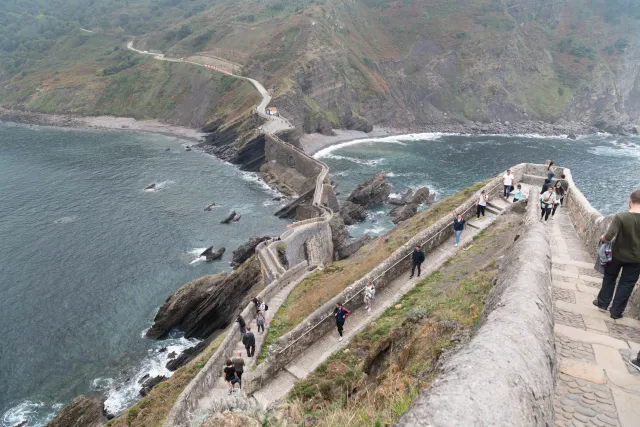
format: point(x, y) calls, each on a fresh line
point(567, 261)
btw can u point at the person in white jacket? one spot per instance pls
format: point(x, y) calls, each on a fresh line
point(369, 295)
point(547, 201)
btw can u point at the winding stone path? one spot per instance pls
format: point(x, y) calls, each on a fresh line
point(596, 386)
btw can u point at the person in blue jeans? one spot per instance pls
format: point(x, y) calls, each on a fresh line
point(458, 227)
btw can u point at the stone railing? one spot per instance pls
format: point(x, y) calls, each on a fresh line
point(317, 324)
point(505, 375)
point(199, 387)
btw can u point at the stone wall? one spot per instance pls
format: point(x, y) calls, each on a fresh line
point(288, 156)
point(505, 375)
point(198, 388)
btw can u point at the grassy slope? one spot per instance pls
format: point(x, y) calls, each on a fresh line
point(399, 351)
point(323, 285)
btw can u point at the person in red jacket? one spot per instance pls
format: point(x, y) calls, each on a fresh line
point(340, 312)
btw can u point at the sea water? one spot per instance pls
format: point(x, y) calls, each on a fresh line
point(87, 256)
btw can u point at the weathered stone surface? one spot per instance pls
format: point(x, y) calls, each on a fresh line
point(347, 250)
point(371, 192)
point(231, 419)
point(339, 232)
point(182, 302)
point(402, 213)
point(83, 411)
point(421, 196)
point(352, 213)
point(246, 250)
point(151, 383)
point(285, 179)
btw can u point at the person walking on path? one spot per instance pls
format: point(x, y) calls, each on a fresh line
point(417, 258)
point(481, 204)
point(249, 341)
point(545, 186)
point(507, 181)
point(547, 200)
point(550, 172)
point(517, 196)
point(564, 184)
point(260, 322)
point(238, 366)
point(556, 201)
point(341, 313)
point(458, 227)
point(256, 302)
point(230, 375)
point(369, 295)
point(242, 324)
point(625, 228)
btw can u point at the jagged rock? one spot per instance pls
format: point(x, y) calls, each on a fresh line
point(323, 126)
point(150, 187)
point(244, 251)
point(358, 123)
point(187, 356)
point(352, 212)
point(229, 218)
point(371, 192)
point(151, 383)
point(144, 378)
point(182, 302)
point(403, 213)
point(339, 232)
point(83, 411)
point(171, 355)
point(231, 419)
point(572, 136)
point(287, 180)
point(222, 302)
point(421, 196)
point(346, 251)
point(211, 255)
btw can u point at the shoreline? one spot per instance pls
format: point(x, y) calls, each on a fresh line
point(101, 122)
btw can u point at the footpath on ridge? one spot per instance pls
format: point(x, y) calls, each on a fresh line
point(596, 386)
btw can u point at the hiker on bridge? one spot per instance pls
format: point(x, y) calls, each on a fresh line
point(507, 181)
point(238, 366)
point(547, 202)
point(249, 341)
point(230, 376)
point(417, 258)
point(625, 228)
point(564, 185)
point(369, 295)
point(458, 227)
point(260, 322)
point(242, 324)
point(481, 205)
point(341, 313)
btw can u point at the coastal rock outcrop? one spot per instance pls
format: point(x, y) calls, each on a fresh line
point(244, 251)
point(151, 383)
point(212, 255)
point(345, 251)
point(371, 192)
point(352, 212)
point(286, 180)
point(187, 356)
point(401, 213)
point(407, 206)
point(229, 218)
point(422, 196)
point(182, 302)
point(83, 411)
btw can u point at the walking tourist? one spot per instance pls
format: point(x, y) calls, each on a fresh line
point(369, 295)
point(564, 184)
point(417, 258)
point(340, 312)
point(547, 200)
point(230, 375)
point(249, 341)
point(550, 169)
point(625, 228)
point(238, 366)
point(507, 181)
point(545, 186)
point(260, 322)
point(242, 324)
point(517, 196)
point(458, 227)
point(256, 302)
point(481, 204)
point(556, 202)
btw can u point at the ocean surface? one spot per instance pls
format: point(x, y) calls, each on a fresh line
point(87, 256)
point(605, 168)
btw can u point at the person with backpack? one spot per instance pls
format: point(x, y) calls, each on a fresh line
point(340, 313)
point(230, 376)
point(369, 295)
point(547, 201)
point(238, 366)
point(481, 204)
point(625, 260)
point(260, 322)
point(564, 184)
point(241, 324)
point(417, 258)
point(249, 341)
point(263, 307)
point(256, 302)
point(458, 227)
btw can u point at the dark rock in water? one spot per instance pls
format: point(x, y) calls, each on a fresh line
point(572, 136)
point(237, 218)
point(431, 198)
point(182, 302)
point(150, 187)
point(187, 356)
point(421, 196)
point(22, 423)
point(277, 199)
point(83, 411)
point(347, 250)
point(210, 207)
point(245, 250)
point(352, 213)
point(371, 192)
point(162, 350)
point(151, 383)
point(229, 218)
point(222, 301)
point(172, 355)
point(188, 149)
point(211, 255)
point(402, 200)
point(167, 149)
point(403, 212)
point(144, 378)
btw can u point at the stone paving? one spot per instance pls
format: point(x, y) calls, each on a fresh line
point(596, 386)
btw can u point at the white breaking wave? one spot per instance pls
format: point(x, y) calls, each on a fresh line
point(375, 230)
point(37, 414)
point(195, 253)
point(254, 178)
point(398, 139)
point(619, 150)
point(372, 162)
point(65, 219)
point(122, 393)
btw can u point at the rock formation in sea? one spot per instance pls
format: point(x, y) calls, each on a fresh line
point(352, 212)
point(151, 383)
point(244, 251)
point(407, 206)
point(371, 192)
point(229, 218)
point(212, 255)
point(83, 411)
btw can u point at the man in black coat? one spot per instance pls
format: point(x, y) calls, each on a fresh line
point(417, 258)
point(249, 341)
point(242, 325)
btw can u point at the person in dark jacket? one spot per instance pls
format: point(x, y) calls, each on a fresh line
point(564, 184)
point(550, 172)
point(249, 341)
point(238, 366)
point(545, 186)
point(340, 313)
point(625, 228)
point(230, 376)
point(242, 324)
point(256, 302)
point(458, 227)
point(417, 258)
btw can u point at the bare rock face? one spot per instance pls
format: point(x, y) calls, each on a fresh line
point(371, 192)
point(245, 250)
point(83, 411)
point(346, 251)
point(402, 213)
point(402, 200)
point(182, 302)
point(421, 196)
point(151, 383)
point(339, 232)
point(187, 356)
point(231, 419)
point(352, 212)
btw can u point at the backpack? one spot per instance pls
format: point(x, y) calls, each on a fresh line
point(266, 307)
